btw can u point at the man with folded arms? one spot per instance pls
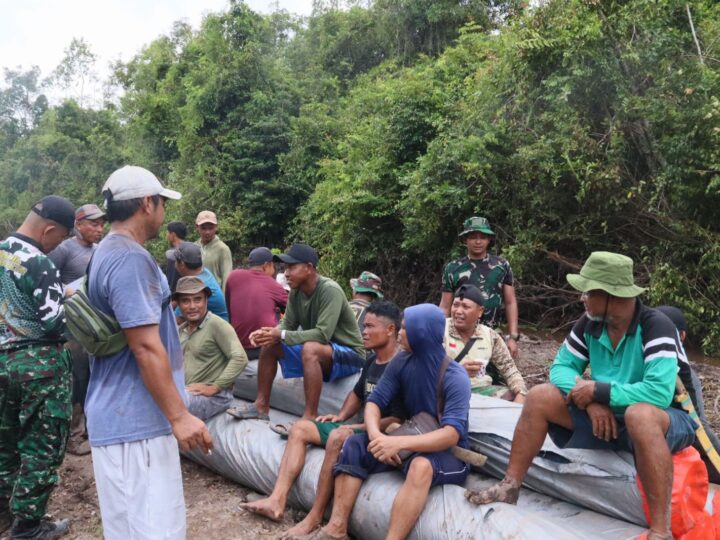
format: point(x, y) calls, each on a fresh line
point(318, 339)
point(331, 431)
point(212, 352)
point(632, 351)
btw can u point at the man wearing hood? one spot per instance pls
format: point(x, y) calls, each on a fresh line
point(413, 375)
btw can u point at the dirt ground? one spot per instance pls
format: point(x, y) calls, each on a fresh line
point(212, 501)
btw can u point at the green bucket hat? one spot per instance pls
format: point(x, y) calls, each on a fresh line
point(367, 283)
point(476, 224)
point(611, 272)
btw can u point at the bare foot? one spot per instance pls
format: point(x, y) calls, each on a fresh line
point(305, 527)
point(506, 491)
point(265, 507)
point(329, 533)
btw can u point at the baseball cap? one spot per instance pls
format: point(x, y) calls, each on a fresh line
point(57, 209)
point(260, 255)
point(191, 285)
point(298, 253)
point(188, 252)
point(675, 315)
point(367, 283)
point(476, 224)
point(131, 182)
point(206, 216)
point(471, 292)
point(88, 211)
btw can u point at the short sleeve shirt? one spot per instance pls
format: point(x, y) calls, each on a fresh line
point(488, 274)
point(71, 259)
point(126, 282)
point(369, 377)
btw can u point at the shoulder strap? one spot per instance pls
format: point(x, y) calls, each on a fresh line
point(466, 349)
point(440, 393)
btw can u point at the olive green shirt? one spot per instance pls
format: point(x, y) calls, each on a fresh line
point(324, 316)
point(218, 259)
point(212, 353)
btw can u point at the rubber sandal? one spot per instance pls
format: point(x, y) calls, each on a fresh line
point(248, 413)
point(282, 429)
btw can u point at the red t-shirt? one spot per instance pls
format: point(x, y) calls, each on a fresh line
point(252, 300)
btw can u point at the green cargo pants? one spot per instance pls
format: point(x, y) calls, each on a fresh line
point(35, 385)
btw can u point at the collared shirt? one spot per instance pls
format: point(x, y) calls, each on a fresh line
point(217, 258)
point(488, 348)
point(31, 295)
point(212, 352)
point(488, 274)
point(642, 368)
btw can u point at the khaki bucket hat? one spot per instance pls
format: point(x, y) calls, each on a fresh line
point(610, 272)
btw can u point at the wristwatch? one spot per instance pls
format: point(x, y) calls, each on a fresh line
point(282, 335)
point(514, 337)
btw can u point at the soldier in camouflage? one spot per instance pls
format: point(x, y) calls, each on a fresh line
point(35, 372)
point(490, 273)
point(365, 289)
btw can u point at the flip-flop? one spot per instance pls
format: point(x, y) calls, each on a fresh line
point(282, 429)
point(248, 413)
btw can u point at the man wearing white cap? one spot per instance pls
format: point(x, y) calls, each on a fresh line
point(215, 253)
point(135, 406)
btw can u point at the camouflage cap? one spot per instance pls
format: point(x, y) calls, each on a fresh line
point(476, 224)
point(367, 283)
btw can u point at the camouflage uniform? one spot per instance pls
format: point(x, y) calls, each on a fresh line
point(35, 377)
point(488, 274)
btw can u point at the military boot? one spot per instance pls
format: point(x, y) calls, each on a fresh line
point(41, 529)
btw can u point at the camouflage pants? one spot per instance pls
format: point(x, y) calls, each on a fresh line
point(34, 425)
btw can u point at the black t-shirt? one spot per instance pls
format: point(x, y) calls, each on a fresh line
point(369, 377)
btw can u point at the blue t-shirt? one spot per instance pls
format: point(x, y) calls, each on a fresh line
point(127, 283)
point(216, 300)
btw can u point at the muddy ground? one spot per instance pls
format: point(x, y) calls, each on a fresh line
point(212, 501)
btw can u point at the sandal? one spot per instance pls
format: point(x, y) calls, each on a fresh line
point(282, 429)
point(248, 413)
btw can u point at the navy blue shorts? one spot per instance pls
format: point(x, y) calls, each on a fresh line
point(345, 362)
point(680, 434)
point(357, 461)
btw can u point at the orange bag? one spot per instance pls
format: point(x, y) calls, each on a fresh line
point(689, 520)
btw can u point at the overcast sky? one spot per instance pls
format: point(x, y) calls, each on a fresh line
point(36, 32)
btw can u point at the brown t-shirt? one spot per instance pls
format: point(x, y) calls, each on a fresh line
point(252, 300)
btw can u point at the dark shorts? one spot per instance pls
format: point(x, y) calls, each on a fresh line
point(355, 460)
point(325, 428)
point(345, 362)
point(253, 353)
point(680, 434)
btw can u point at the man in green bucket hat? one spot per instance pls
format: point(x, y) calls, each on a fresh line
point(632, 351)
point(490, 273)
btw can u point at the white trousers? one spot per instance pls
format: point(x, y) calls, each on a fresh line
point(140, 488)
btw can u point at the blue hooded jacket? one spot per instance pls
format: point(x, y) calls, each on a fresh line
point(414, 375)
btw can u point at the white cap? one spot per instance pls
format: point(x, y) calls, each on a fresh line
point(132, 182)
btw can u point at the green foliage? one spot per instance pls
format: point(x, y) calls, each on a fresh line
point(373, 131)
